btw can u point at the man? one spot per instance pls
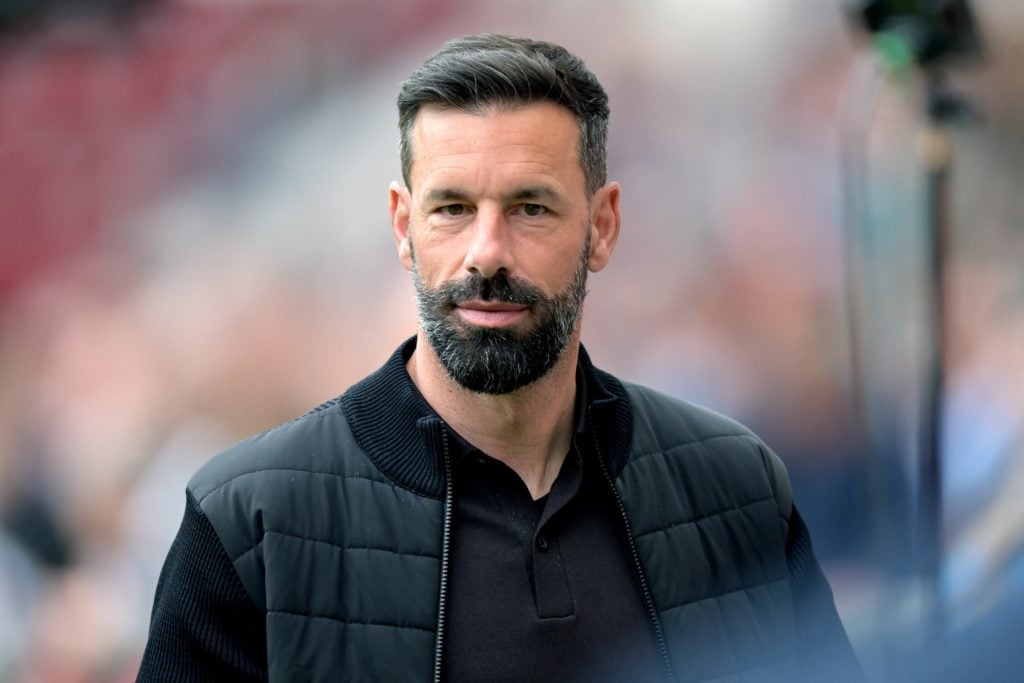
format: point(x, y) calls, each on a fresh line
point(489, 505)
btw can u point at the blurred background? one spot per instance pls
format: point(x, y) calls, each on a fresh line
point(194, 246)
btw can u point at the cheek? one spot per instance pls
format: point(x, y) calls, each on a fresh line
point(554, 269)
point(437, 252)
point(433, 265)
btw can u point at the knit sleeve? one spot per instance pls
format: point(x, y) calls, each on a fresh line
point(825, 649)
point(204, 626)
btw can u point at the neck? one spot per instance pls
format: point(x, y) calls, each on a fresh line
point(529, 429)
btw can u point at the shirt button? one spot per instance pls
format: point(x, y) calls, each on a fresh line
point(542, 543)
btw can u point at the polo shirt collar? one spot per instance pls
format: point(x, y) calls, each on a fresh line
point(405, 439)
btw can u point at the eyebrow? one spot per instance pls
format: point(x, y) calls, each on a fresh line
point(446, 194)
point(534, 192)
point(458, 194)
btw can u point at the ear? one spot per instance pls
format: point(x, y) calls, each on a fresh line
point(399, 206)
point(604, 225)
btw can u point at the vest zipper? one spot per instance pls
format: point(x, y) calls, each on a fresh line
point(645, 590)
point(445, 544)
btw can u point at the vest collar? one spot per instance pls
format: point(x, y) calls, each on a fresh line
point(404, 437)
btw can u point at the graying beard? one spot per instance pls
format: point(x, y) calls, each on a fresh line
point(498, 361)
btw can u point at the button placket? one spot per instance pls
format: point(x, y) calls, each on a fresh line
point(552, 592)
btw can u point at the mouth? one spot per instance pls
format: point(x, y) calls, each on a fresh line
point(491, 313)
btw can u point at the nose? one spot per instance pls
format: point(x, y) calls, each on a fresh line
point(490, 251)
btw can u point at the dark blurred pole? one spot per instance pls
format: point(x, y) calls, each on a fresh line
point(943, 108)
point(936, 155)
point(931, 33)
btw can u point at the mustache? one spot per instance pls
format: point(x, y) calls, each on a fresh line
point(498, 288)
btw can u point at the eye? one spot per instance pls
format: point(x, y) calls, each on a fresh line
point(533, 210)
point(452, 210)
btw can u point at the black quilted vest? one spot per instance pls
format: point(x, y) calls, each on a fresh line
point(337, 524)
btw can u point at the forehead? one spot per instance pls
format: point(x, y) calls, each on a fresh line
point(538, 139)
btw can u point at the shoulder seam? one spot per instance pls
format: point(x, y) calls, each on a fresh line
point(339, 475)
point(697, 442)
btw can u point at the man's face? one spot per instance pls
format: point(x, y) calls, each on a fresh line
point(496, 228)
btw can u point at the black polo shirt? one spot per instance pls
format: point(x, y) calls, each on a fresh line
point(543, 589)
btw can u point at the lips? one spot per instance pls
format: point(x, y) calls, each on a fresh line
point(491, 314)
